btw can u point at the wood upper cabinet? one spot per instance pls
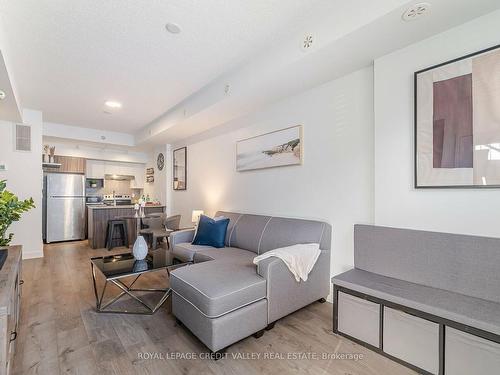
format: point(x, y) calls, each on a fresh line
point(69, 164)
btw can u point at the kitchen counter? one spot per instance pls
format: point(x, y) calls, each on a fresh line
point(128, 206)
point(98, 217)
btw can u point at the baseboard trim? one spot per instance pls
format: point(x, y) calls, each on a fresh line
point(32, 254)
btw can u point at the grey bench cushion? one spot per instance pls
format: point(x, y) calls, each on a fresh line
point(460, 263)
point(475, 312)
point(219, 287)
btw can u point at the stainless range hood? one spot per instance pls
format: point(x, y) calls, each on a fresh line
point(118, 177)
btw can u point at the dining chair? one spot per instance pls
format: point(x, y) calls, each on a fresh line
point(160, 227)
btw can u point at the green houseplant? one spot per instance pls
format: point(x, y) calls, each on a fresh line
point(11, 209)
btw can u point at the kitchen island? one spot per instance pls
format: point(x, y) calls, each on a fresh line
point(98, 217)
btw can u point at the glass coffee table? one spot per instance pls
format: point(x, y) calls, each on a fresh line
point(114, 268)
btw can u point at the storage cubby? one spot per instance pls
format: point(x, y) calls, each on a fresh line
point(411, 339)
point(359, 318)
point(467, 354)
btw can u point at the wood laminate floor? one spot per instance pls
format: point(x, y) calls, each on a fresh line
point(60, 332)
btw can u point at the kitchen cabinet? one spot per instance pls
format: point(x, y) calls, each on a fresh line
point(68, 164)
point(98, 217)
point(95, 169)
point(120, 168)
point(139, 174)
point(116, 168)
point(100, 168)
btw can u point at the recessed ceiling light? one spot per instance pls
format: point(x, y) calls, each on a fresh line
point(113, 104)
point(173, 28)
point(416, 11)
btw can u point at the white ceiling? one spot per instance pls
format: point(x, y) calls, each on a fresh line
point(345, 40)
point(71, 56)
point(9, 110)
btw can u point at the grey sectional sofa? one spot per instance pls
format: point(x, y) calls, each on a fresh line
point(223, 297)
point(428, 300)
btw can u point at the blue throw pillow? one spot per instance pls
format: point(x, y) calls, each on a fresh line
point(211, 232)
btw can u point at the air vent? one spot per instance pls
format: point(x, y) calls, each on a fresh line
point(416, 11)
point(23, 137)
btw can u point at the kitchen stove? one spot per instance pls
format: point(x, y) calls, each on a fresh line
point(117, 199)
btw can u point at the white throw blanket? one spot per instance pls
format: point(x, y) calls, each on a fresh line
point(299, 259)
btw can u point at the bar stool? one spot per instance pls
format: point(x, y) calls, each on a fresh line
point(116, 226)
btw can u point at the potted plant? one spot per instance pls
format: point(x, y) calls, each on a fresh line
point(45, 155)
point(11, 209)
point(52, 151)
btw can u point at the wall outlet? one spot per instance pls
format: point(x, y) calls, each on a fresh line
point(3, 167)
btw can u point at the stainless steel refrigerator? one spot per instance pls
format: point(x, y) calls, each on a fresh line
point(64, 207)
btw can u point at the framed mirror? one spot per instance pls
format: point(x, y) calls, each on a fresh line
point(180, 169)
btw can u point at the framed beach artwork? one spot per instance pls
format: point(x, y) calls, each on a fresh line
point(457, 122)
point(276, 149)
point(180, 168)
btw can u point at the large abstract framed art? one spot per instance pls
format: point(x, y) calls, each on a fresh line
point(457, 122)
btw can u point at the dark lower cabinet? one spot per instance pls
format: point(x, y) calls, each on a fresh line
point(98, 222)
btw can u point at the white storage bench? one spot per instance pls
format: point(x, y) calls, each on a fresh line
point(446, 324)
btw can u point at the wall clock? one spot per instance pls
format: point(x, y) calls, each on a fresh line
point(160, 161)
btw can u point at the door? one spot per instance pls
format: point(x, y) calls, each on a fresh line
point(65, 207)
point(66, 218)
point(68, 185)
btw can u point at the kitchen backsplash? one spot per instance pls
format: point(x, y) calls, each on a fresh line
point(119, 187)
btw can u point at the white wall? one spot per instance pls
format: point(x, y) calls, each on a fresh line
point(24, 178)
point(78, 133)
point(160, 188)
point(397, 203)
point(104, 152)
point(335, 182)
